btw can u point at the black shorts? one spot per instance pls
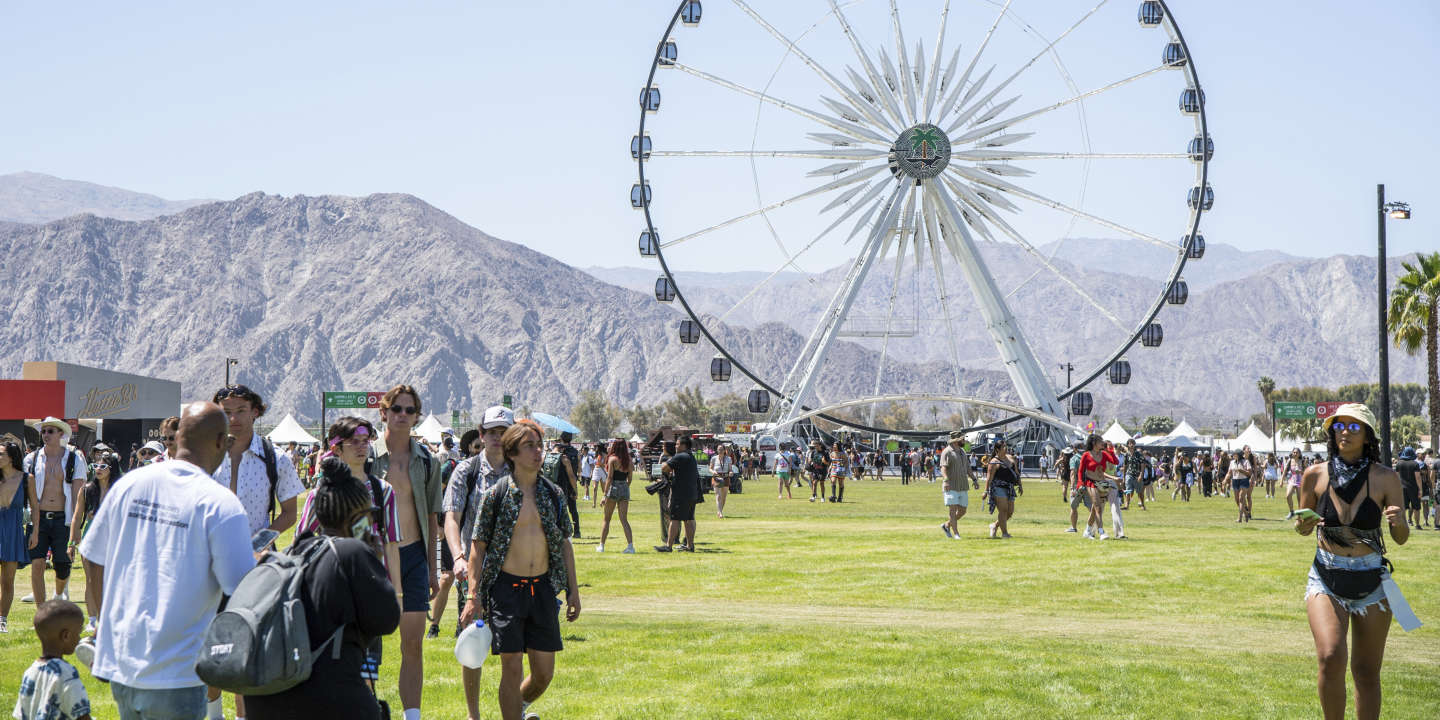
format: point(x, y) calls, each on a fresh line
point(445, 561)
point(1412, 497)
point(414, 578)
point(682, 508)
point(524, 615)
point(54, 541)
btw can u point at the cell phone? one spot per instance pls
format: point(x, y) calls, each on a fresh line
point(262, 539)
point(1304, 513)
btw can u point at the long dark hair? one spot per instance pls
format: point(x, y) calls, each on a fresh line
point(17, 459)
point(620, 451)
point(1372, 444)
point(1092, 441)
point(338, 494)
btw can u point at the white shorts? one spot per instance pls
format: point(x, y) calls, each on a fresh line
point(957, 497)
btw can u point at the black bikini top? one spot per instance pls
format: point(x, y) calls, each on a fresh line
point(1367, 513)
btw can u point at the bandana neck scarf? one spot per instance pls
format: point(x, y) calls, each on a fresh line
point(1343, 477)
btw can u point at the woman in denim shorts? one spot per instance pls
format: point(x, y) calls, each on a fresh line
point(1349, 590)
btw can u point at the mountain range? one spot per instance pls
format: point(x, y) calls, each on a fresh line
point(318, 293)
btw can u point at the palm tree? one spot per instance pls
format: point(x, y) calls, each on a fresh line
point(1266, 386)
point(1414, 315)
point(923, 139)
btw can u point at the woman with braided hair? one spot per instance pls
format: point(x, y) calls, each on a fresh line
point(345, 586)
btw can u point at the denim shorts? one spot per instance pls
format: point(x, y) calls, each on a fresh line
point(957, 497)
point(168, 704)
point(1316, 586)
point(1005, 492)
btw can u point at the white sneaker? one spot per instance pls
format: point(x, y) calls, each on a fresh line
point(600, 547)
point(85, 651)
point(4, 625)
point(1071, 530)
point(629, 550)
point(63, 595)
point(1103, 536)
point(28, 598)
point(1088, 535)
point(587, 497)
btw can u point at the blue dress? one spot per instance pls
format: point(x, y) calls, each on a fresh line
point(13, 547)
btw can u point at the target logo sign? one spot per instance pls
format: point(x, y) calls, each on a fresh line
point(1326, 409)
point(372, 400)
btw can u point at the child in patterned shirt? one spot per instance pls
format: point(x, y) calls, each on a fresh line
point(51, 688)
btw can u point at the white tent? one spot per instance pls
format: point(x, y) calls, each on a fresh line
point(289, 431)
point(1115, 434)
point(1185, 430)
point(1253, 436)
point(1181, 441)
point(430, 430)
point(636, 439)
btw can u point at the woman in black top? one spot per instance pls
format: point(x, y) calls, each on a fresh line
point(347, 587)
point(1355, 497)
point(1002, 484)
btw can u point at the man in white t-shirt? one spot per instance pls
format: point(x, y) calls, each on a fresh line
point(166, 544)
point(244, 470)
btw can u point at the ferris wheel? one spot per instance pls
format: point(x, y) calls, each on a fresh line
point(921, 214)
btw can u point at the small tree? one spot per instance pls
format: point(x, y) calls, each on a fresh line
point(1407, 430)
point(595, 416)
point(1157, 425)
point(644, 419)
point(687, 408)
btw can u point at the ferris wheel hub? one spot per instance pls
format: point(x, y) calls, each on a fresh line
point(921, 152)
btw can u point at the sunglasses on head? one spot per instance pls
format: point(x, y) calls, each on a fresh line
point(230, 391)
point(403, 409)
point(1353, 427)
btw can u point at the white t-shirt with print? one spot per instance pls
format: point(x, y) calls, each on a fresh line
point(171, 543)
point(51, 690)
point(253, 485)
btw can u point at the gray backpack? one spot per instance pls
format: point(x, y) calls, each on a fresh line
point(260, 643)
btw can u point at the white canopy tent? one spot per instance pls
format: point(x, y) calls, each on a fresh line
point(1115, 434)
point(1184, 429)
point(636, 439)
point(431, 429)
point(1253, 436)
point(289, 431)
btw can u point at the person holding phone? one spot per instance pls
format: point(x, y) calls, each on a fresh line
point(1355, 498)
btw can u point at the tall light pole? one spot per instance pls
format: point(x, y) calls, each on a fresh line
point(1068, 368)
point(1399, 211)
point(229, 361)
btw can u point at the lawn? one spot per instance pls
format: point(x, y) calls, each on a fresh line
point(865, 610)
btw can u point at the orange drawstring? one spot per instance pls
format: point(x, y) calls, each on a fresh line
point(525, 582)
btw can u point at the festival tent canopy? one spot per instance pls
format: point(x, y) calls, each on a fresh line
point(289, 431)
point(1179, 441)
point(636, 439)
point(431, 429)
point(1252, 436)
point(1115, 434)
point(1185, 430)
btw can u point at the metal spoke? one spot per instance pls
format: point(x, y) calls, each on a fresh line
point(870, 199)
point(835, 154)
point(852, 130)
point(827, 187)
point(965, 76)
point(982, 155)
point(930, 236)
point(1001, 125)
point(869, 68)
point(805, 58)
point(1005, 227)
point(988, 179)
point(936, 91)
point(907, 86)
point(889, 316)
point(966, 115)
point(802, 374)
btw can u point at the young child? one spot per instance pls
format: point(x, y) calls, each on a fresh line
point(51, 687)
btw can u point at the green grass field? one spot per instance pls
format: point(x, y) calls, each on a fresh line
point(865, 610)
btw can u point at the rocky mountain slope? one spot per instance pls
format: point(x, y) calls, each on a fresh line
point(29, 197)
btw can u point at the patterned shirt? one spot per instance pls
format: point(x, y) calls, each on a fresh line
point(310, 522)
point(496, 525)
point(51, 690)
point(252, 485)
point(455, 495)
point(1134, 466)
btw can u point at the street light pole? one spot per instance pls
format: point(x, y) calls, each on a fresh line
point(1068, 368)
point(1399, 211)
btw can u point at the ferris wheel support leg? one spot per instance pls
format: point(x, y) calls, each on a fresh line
point(1020, 362)
point(791, 404)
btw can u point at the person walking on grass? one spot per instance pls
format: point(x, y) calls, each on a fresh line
point(472, 478)
point(58, 472)
point(1238, 480)
point(1062, 472)
point(617, 494)
point(1090, 474)
point(839, 470)
point(1002, 486)
point(1134, 471)
point(1293, 469)
point(683, 495)
point(1409, 471)
point(1355, 497)
point(1182, 477)
point(782, 475)
point(522, 539)
point(166, 545)
point(722, 466)
point(16, 490)
point(957, 483)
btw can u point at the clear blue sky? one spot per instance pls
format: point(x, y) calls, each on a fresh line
point(516, 117)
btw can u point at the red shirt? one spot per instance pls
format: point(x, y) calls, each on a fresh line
point(1088, 462)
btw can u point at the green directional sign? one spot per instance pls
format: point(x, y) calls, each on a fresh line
point(352, 399)
point(1294, 410)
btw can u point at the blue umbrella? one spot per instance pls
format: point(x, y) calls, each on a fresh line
point(555, 422)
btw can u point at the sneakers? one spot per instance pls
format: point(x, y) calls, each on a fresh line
point(946, 529)
point(629, 550)
point(663, 548)
point(600, 548)
point(686, 548)
point(28, 598)
point(434, 632)
point(1071, 530)
point(93, 625)
point(587, 497)
point(812, 498)
point(85, 651)
point(1103, 536)
point(4, 625)
point(63, 595)
point(822, 499)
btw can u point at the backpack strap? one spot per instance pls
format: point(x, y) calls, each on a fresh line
point(267, 455)
point(472, 475)
point(379, 500)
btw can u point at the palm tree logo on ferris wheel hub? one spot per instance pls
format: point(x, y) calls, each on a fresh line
point(921, 152)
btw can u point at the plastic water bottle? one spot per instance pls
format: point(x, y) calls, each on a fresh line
point(473, 645)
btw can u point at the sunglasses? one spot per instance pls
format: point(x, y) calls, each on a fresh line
point(1353, 427)
point(167, 438)
point(49, 431)
point(403, 409)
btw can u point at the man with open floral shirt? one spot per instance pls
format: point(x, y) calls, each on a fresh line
point(523, 535)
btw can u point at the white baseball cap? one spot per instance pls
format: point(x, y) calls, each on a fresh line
point(154, 446)
point(497, 416)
